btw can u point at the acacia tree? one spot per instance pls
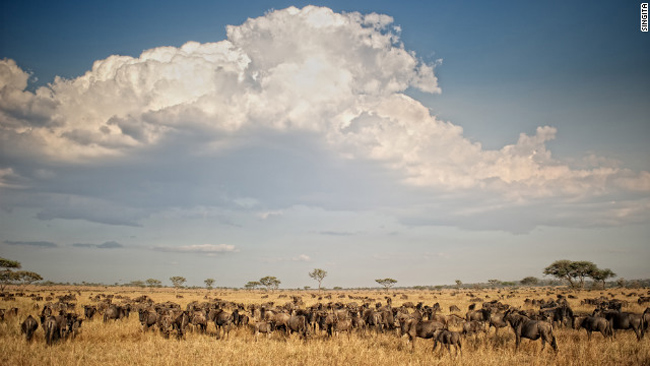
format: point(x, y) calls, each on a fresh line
point(270, 282)
point(386, 282)
point(177, 281)
point(573, 272)
point(601, 275)
point(152, 282)
point(318, 275)
point(252, 285)
point(209, 282)
point(529, 281)
point(9, 276)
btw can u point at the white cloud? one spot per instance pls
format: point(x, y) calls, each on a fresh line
point(337, 80)
point(297, 258)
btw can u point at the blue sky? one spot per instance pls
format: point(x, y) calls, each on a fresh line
point(435, 142)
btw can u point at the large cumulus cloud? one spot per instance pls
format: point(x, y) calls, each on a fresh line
point(293, 83)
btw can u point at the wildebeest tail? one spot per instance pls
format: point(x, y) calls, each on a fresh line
point(49, 332)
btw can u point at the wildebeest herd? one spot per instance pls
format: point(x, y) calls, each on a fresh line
point(62, 320)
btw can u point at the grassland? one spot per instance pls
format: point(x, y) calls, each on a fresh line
point(124, 343)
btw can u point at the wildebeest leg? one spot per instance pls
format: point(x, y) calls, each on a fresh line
point(517, 341)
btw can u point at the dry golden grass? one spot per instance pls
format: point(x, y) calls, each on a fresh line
point(124, 343)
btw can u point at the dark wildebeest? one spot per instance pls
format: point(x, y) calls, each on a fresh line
point(74, 325)
point(373, 319)
point(243, 320)
point(89, 311)
point(593, 324)
point(481, 315)
point(148, 318)
point(51, 328)
point(114, 312)
point(448, 339)
point(55, 328)
point(199, 320)
point(472, 327)
point(165, 324)
point(420, 328)
point(525, 327)
point(222, 321)
point(28, 327)
point(454, 308)
point(180, 321)
point(561, 315)
point(357, 321)
point(623, 320)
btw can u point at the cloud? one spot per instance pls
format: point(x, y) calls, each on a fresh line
point(337, 233)
point(297, 258)
point(301, 258)
point(40, 244)
point(105, 245)
point(297, 107)
point(198, 248)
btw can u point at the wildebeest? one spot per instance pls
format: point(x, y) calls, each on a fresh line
point(373, 319)
point(420, 329)
point(179, 323)
point(623, 321)
point(222, 321)
point(115, 312)
point(165, 324)
point(594, 324)
point(562, 314)
point(531, 329)
point(89, 311)
point(496, 320)
point(481, 315)
point(51, 328)
point(262, 327)
point(297, 324)
point(199, 320)
point(148, 318)
point(28, 327)
point(472, 327)
point(448, 339)
point(74, 325)
point(55, 328)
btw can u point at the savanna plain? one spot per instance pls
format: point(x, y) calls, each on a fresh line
point(124, 342)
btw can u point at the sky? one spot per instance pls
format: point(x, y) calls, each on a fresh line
point(425, 142)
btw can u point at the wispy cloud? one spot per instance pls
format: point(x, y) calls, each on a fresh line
point(41, 244)
point(298, 258)
point(105, 245)
point(198, 248)
point(338, 233)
